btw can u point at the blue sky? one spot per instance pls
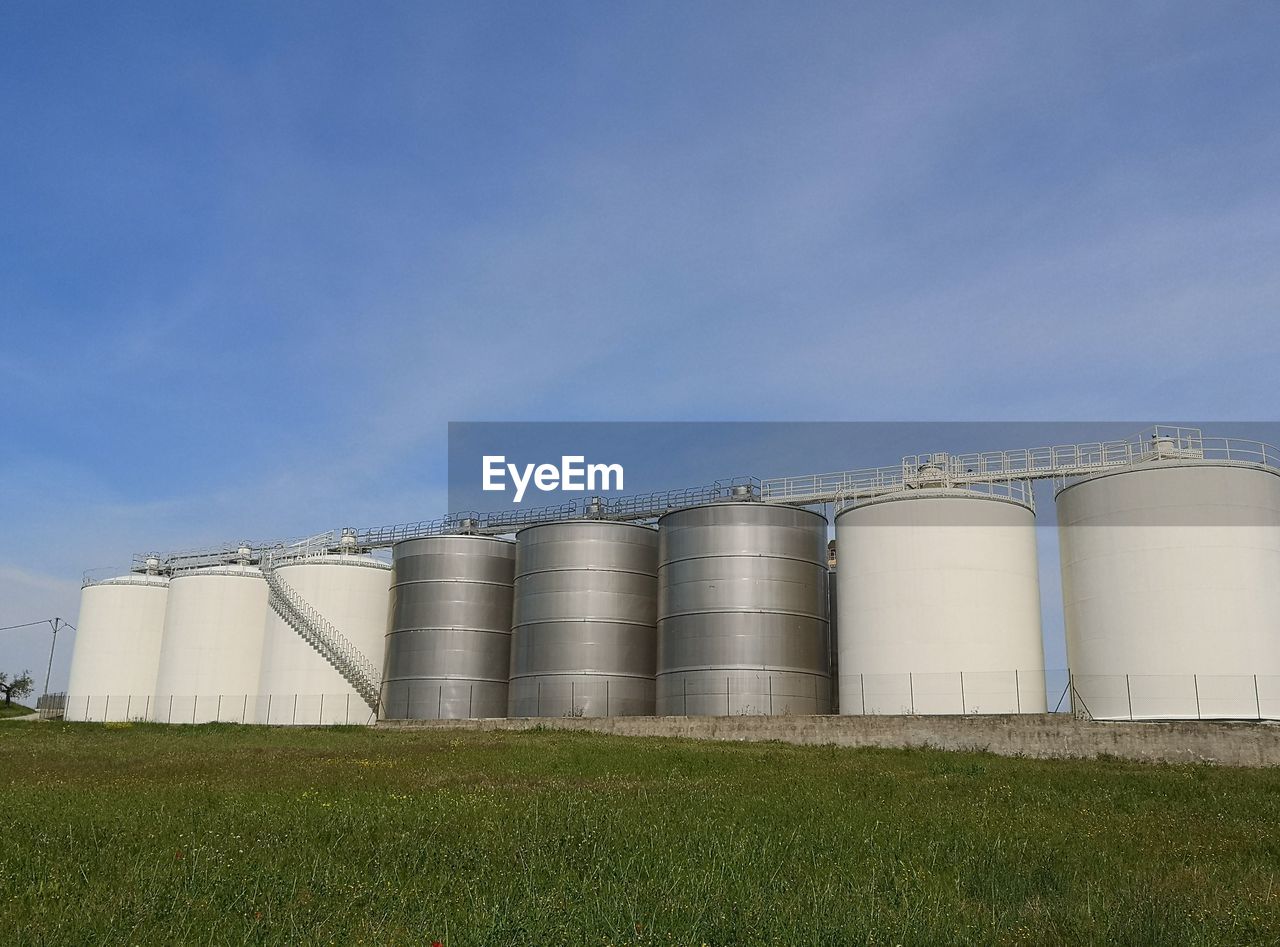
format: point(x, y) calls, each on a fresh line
point(253, 258)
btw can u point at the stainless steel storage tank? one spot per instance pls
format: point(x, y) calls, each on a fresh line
point(742, 626)
point(297, 685)
point(117, 650)
point(1171, 585)
point(939, 609)
point(448, 632)
point(585, 610)
point(212, 650)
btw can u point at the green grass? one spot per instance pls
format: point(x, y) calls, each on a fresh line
point(15, 710)
point(220, 834)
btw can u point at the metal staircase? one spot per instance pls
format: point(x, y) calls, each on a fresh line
point(319, 632)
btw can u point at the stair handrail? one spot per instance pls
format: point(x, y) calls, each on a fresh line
point(323, 635)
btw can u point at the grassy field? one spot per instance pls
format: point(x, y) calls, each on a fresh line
point(149, 834)
point(15, 710)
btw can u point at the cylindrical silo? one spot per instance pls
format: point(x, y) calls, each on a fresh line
point(297, 684)
point(448, 630)
point(117, 651)
point(833, 641)
point(582, 640)
point(742, 611)
point(212, 651)
point(939, 609)
point(1171, 585)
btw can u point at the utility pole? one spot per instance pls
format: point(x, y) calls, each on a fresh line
point(56, 623)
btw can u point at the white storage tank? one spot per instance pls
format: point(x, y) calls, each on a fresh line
point(297, 684)
point(939, 605)
point(117, 650)
point(1171, 585)
point(212, 650)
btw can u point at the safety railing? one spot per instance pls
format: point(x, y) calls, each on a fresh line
point(1159, 443)
point(383, 536)
point(1019, 491)
point(981, 470)
point(110, 575)
point(507, 520)
point(653, 505)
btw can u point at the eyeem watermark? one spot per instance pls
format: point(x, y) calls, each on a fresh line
point(572, 474)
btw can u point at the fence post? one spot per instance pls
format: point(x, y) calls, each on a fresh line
point(219, 711)
point(964, 705)
point(726, 696)
point(105, 708)
point(606, 697)
point(87, 698)
point(911, 687)
point(407, 692)
point(685, 680)
point(321, 714)
point(294, 719)
point(862, 687)
point(268, 720)
point(573, 699)
point(539, 713)
point(347, 716)
point(1017, 690)
point(1128, 692)
point(244, 709)
point(195, 706)
point(170, 708)
point(128, 707)
point(770, 695)
point(439, 700)
point(146, 713)
point(1256, 699)
point(471, 701)
point(1195, 682)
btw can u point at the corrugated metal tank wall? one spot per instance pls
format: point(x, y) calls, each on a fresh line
point(1171, 587)
point(742, 611)
point(939, 609)
point(212, 651)
point(448, 631)
point(117, 651)
point(584, 621)
point(296, 683)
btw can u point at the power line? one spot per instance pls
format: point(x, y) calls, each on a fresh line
point(30, 624)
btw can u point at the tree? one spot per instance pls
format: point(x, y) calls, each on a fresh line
point(19, 687)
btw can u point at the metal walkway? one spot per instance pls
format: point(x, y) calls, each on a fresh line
point(1007, 472)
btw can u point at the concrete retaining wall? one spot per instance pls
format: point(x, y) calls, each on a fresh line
point(1044, 736)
